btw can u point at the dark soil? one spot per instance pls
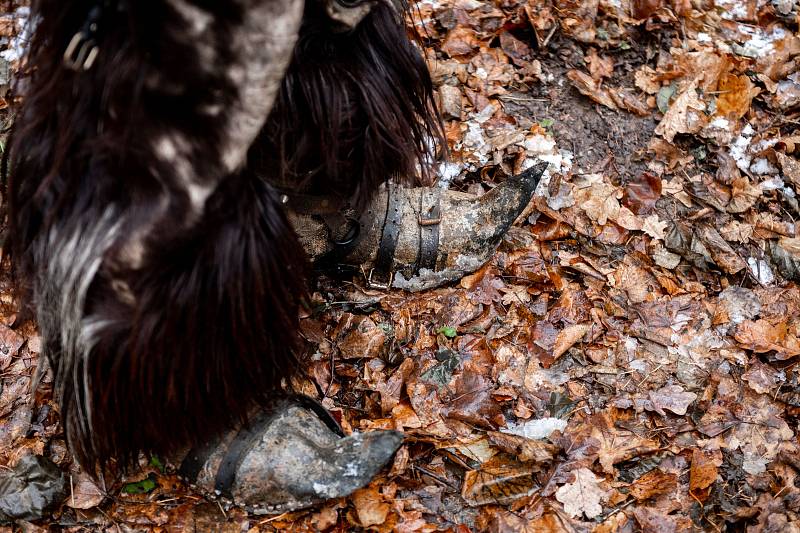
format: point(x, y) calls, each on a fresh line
point(592, 132)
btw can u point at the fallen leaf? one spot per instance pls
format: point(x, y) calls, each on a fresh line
point(672, 398)
point(583, 495)
point(790, 168)
point(460, 41)
point(653, 484)
point(589, 87)
point(641, 194)
point(498, 482)
point(736, 93)
point(567, 338)
point(599, 67)
point(703, 473)
point(685, 115)
point(370, 506)
point(762, 336)
point(84, 493)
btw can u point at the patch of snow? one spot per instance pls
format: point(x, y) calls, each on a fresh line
point(539, 144)
point(760, 43)
point(324, 490)
point(739, 148)
point(763, 166)
point(536, 429)
point(447, 172)
point(761, 270)
point(18, 45)
point(771, 184)
point(732, 9)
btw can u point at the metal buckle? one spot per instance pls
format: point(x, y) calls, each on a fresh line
point(381, 285)
point(81, 52)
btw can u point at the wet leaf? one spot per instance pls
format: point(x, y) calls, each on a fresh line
point(498, 483)
point(641, 194)
point(140, 487)
point(448, 331)
point(703, 473)
point(442, 372)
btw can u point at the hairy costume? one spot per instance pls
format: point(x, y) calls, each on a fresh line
point(162, 270)
point(174, 166)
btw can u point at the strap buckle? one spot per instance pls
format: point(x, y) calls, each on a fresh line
point(81, 52)
point(383, 285)
point(83, 48)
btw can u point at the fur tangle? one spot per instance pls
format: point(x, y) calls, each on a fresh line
point(144, 228)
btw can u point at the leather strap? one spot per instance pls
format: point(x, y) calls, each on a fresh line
point(245, 439)
point(312, 404)
point(430, 218)
point(391, 233)
point(193, 463)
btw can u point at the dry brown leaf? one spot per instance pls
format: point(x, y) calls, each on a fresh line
point(589, 87)
point(460, 41)
point(10, 343)
point(760, 377)
point(721, 252)
point(583, 496)
point(326, 517)
point(567, 338)
point(703, 473)
point(791, 143)
point(450, 101)
point(655, 520)
point(370, 506)
point(498, 482)
point(526, 450)
point(84, 493)
point(519, 52)
point(359, 337)
point(685, 115)
point(744, 195)
point(599, 67)
point(646, 79)
point(672, 398)
point(654, 227)
point(652, 484)
point(790, 168)
point(762, 336)
point(736, 93)
point(642, 9)
point(627, 100)
point(598, 200)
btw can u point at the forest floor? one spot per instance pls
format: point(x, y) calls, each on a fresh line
point(626, 362)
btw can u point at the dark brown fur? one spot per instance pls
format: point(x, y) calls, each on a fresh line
point(365, 102)
point(205, 328)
